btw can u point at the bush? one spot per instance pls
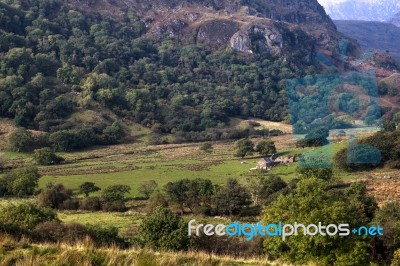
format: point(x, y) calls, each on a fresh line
point(207, 147)
point(163, 230)
point(45, 156)
point(22, 182)
point(90, 204)
point(54, 231)
point(54, 196)
point(157, 199)
point(388, 217)
point(69, 204)
point(114, 206)
point(21, 140)
point(320, 173)
point(25, 216)
point(105, 236)
point(316, 137)
point(115, 192)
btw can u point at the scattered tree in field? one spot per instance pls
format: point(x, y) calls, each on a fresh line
point(22, 182)
point(147, 188)
point(231, 198)
point(163, 230)
point(87, 188)
point(266, 147)
point(244, 147)
point(207, 147)
point(21, 140)
point(115, 192)
point(46, 156)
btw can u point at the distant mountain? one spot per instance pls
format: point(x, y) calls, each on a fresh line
point(373, 35)
point(368, 10)
point(396, 20)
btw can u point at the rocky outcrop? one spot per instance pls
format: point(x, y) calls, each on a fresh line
point(216, 32)
point(240, 42)
point(265, 38)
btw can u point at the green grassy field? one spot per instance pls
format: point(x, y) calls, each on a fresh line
point(104, 219)
point(168, 163)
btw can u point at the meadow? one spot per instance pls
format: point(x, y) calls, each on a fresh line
point(166, 164)
point(135, 163)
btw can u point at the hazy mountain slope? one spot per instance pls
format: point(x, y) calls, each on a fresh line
point(369, 10)
point(373, 35)
point(396, 20)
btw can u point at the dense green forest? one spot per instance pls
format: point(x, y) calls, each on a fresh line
point(55, 61)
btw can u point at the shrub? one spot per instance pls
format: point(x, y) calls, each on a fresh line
point(54, 196)
point(114, 206)
point(316, 137)
point(105, 236)
point(71, 233)
point(116, 192)
point(90, 204)
point(320, 173)
point(163, 230)
point(55, 231)
point(22, 181)
point(207, 147)
point(45, 156)
point(25, 216)
point(157, 199)
point(69, 204)
point(21, 140)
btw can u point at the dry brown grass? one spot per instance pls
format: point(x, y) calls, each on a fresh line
point(84, 253)
point(383, 189)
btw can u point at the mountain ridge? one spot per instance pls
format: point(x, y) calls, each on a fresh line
point(362, 9)
point(382, 36)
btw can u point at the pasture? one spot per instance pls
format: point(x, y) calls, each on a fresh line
point(133, 164)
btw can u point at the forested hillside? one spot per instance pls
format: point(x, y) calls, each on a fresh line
point(58, 60)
